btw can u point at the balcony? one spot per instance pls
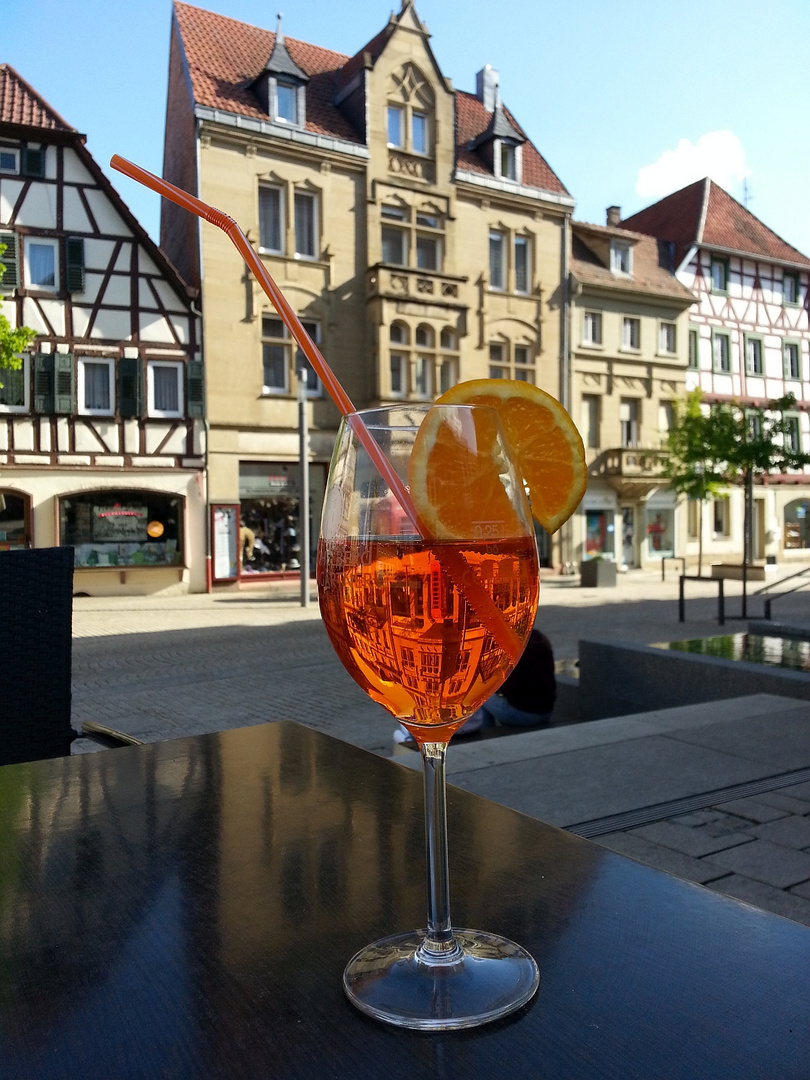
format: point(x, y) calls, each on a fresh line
point(633, 471)
point(404, 283)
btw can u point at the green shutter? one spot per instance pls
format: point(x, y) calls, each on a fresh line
point(196, 388)
point(64, 392)
point(11, 260)
point(74, 250)
point(43, 383)
point(33, 161)
point(130, 387)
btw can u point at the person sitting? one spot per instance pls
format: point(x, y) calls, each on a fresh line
point(526, 698)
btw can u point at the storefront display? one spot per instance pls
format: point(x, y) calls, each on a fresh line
point(122, 528)
point(14, 517)
point(660, 525)
point(797, 524)
point(269, 527)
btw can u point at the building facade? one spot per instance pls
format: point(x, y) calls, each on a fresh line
point(102, 439)
point(629, 335)
point(414, 228)
point(748, 341)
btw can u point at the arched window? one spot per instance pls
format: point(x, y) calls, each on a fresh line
point(15, 520)
point(797, 524)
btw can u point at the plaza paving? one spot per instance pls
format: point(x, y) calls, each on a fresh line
point(719, 795)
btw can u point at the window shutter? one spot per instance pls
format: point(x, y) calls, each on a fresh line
point(75, 264)
point(11, 260)
point(130, 387)
point(32, 161)
point(195, 395)
point(63, 373)
point(43, 383)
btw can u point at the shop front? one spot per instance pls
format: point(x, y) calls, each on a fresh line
point(122, 528)
point(659, 521)
point(598, 525)
point(261, 536)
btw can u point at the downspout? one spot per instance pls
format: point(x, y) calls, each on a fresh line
point(206, 425)
point(565, 370)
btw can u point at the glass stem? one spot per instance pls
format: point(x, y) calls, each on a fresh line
point(439, 944)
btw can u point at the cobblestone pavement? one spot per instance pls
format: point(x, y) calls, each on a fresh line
point(164, 667)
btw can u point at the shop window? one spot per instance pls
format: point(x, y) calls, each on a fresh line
point(797, 524)
point(15, 520)
point(14, 393)
point(164, 388)
point(660, 532)
point(269, 493)
point(599, 533)
point(122, 528)
point(96, 387)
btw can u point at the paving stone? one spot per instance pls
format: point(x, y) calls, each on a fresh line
point(785, 802)
point(701, 817)
point(792, 832)
point(662, 858)
point(752, 808)
point(694, 842)
point(770, 863)
point(802, 890)
point(799, 791)
point(787, 904)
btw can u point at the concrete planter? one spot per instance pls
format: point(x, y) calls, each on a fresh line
point(734, 571)
point(598, 573)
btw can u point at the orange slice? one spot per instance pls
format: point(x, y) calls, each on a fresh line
point(542, 437)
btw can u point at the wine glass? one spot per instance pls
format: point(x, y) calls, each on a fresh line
point(429, 626)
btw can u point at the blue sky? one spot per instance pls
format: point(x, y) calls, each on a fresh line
point(626, 99)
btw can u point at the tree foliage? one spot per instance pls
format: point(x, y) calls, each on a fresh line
point(12, 341)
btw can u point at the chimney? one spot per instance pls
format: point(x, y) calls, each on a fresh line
point(614, 215)
point(486, 87)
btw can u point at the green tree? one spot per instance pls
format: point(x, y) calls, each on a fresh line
point(12, 341)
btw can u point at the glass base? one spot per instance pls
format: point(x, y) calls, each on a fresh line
point(397, 981)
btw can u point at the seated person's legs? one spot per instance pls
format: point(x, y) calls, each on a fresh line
point(507, 715)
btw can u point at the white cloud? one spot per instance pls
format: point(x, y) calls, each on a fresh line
point(718, 154)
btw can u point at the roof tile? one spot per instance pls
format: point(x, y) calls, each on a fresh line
point(21, 104)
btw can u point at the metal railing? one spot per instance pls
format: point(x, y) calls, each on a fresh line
point(721, 596)
point(769, 599)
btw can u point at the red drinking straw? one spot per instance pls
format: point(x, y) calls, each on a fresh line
point(456, 566)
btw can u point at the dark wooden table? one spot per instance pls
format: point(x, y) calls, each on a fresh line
point(185, 909)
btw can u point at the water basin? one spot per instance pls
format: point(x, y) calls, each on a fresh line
point(778, 652)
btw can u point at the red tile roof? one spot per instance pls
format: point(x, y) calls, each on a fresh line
point(224, 56)
point(651, 277)
point(21, 104)
point(704, 214)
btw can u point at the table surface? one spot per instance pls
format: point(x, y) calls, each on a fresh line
point(185, 909)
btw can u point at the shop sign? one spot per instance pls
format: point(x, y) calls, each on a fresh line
point(265, 480)
point(121, 524)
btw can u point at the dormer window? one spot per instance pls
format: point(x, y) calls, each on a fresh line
point(286, 103)
point(508, 161)
point(281, 87)
point(621, 259)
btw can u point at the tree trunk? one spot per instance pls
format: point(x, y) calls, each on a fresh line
point(700, 538)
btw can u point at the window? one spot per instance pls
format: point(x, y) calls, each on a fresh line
point(96, 388)
point(589, 420)
point(419, 133)
point(719, 271)
point(753, 425)
point(693, 360)
point(666, 418)
point(621, 258)
point(790, 289)
point(721, 517)
point(42, 263)
point(448, 359)
point(524, 366)
point(398, 360)
point(394, 239)
point(14, 391)
point(628, 421)
point(305, 225)
point(314, 385)
point(631, 333)
point(793, 441)
point(9, 159)
point(521, 264)
point(112, 528)
point(164, 387)
point(396, 118)
point(286, 102)
point(428, 245)
point(507, 158)
point(592, 328)
point(753, 355)
point(275, 356)
point(790, 355)
point(498, 364)
point(693, 518)
point(271, 221)
point(10, 259)
point(497, 260)
point(666, 338)
point(797, 524)
point(424, 361)
point(15, 520)
point(721, 352)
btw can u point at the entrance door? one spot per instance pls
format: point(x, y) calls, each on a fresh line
point(629, 536)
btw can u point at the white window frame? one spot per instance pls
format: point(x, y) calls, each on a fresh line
point(26, 377)
point(754, 350)
point(592, 321)
point(14, 151)
point(399, 112)
point(497, 236)
point(101, 361)
point(717, 336)
point(151, 408)
point(523, 243)
point(277, 115)
point(666, 330)
point(631, 329)
point(312, 199)
point(786, 363)
point(44, 241)
point(621, 259)
point(280, 195)
point(417, 114)
point(787, 276)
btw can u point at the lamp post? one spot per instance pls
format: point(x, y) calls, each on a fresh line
point(303, 459)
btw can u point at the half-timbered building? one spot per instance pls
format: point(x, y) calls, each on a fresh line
point(749, 341)
point(415, 229)
point(102, 440)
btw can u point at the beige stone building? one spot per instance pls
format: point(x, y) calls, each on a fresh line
point(414, 228)
point(629, 355)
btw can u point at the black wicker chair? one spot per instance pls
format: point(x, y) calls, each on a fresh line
point(36, 617)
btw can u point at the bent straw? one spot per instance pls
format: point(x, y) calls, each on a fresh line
point(487, 611)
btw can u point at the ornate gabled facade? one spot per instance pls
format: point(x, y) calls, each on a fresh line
point(414, 228)
point(629, 329)
point(102, 437)
point(749, 341)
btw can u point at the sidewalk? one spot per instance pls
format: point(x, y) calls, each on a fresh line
point(166, 667)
